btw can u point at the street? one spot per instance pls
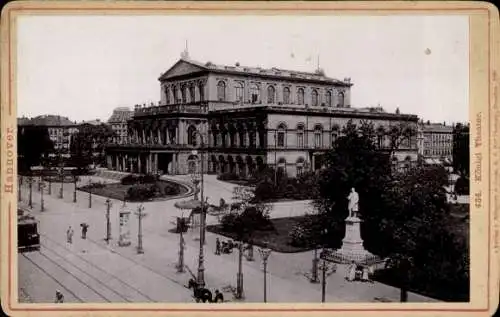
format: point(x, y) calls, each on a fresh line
point(90, 270)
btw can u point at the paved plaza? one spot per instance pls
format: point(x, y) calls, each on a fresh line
point(90, 270)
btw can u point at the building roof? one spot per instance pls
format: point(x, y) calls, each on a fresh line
point(121, 114)
point(258, 71)
point(437, 127)
point(46, 120)
point(92, 122)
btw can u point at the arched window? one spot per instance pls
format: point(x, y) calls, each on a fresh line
point(192, 96)
point(334, 137)
point(167, 95)
point(341, 99)
point(314, 98)
point(300, 136)
point(238, 91)
point(286, 95)
point(300, 96)
point(281, 135)
point(191, 135)
point(201, 88)
point(328, 98)
point(183, 93)
point(221, 91)
point(254, 93)
point(270, 94)
point(318, 136)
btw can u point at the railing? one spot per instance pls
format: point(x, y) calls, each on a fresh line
point(176, 108)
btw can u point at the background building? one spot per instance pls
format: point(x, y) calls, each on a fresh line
point(118, 122)
point(60, 129)
point(436, 142)
point(249, 117)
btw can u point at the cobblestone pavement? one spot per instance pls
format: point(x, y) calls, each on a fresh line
point(93, 271)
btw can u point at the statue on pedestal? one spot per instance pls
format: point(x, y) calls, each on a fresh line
point(353, 203)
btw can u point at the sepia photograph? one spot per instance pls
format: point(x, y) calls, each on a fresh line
point(233, 159)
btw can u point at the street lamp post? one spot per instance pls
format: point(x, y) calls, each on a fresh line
point(180, 264)
point(265, 253)
point(201, 268)
point(50, 184)
point(314, 270)
point(61, 175)
point(75, 180)
point(42, 187)
point(90, 193)
point(140, 215)
point(327, 269)
point(108, 223)
point(30, 182)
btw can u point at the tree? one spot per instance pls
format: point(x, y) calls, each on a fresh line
point(33, 143)
point(243, 219)
point(354, 162)
point(404, 213)
point(461, 153)
point(88, 144)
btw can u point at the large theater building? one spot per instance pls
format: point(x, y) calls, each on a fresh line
point(248, 118)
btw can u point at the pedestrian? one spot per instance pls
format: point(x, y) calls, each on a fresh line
point(351, 272)
point(218, 297)
point(85, 228)
point(364, 275)
point(217, 246)
point(69, 235)
point(59, 297)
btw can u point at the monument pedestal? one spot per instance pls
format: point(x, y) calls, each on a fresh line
point(352, 245)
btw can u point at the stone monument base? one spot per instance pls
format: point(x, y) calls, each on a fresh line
point(352, 249)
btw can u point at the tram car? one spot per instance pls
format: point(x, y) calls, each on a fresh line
point(28, 238)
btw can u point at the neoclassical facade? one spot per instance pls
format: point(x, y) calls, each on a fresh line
point(436, 141)
point(243, 118)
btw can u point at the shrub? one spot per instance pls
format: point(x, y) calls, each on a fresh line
point(148, 178)
point(129, 180)
point(141, 179)
point(462, 186)
point(171, 190)
point(298, 236)
point(140, 193)
point(265, 191)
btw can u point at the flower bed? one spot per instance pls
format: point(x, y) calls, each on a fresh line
point(138, 192)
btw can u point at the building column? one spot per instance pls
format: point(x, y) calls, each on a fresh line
point(156, 162)
point(117, 166)
point(257, 138)
point(159, 136)
point(167, 136)
point(139, 163)
point(124, 163)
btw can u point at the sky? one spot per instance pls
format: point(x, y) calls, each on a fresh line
point(83, 67)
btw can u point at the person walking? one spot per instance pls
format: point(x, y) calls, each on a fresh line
point(69, 235)
point(351, 272)
point(217, 246)
point(59, 297)
point(85, 228)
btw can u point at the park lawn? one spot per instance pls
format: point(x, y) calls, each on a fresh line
point(119, 191)
point(277, 239)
